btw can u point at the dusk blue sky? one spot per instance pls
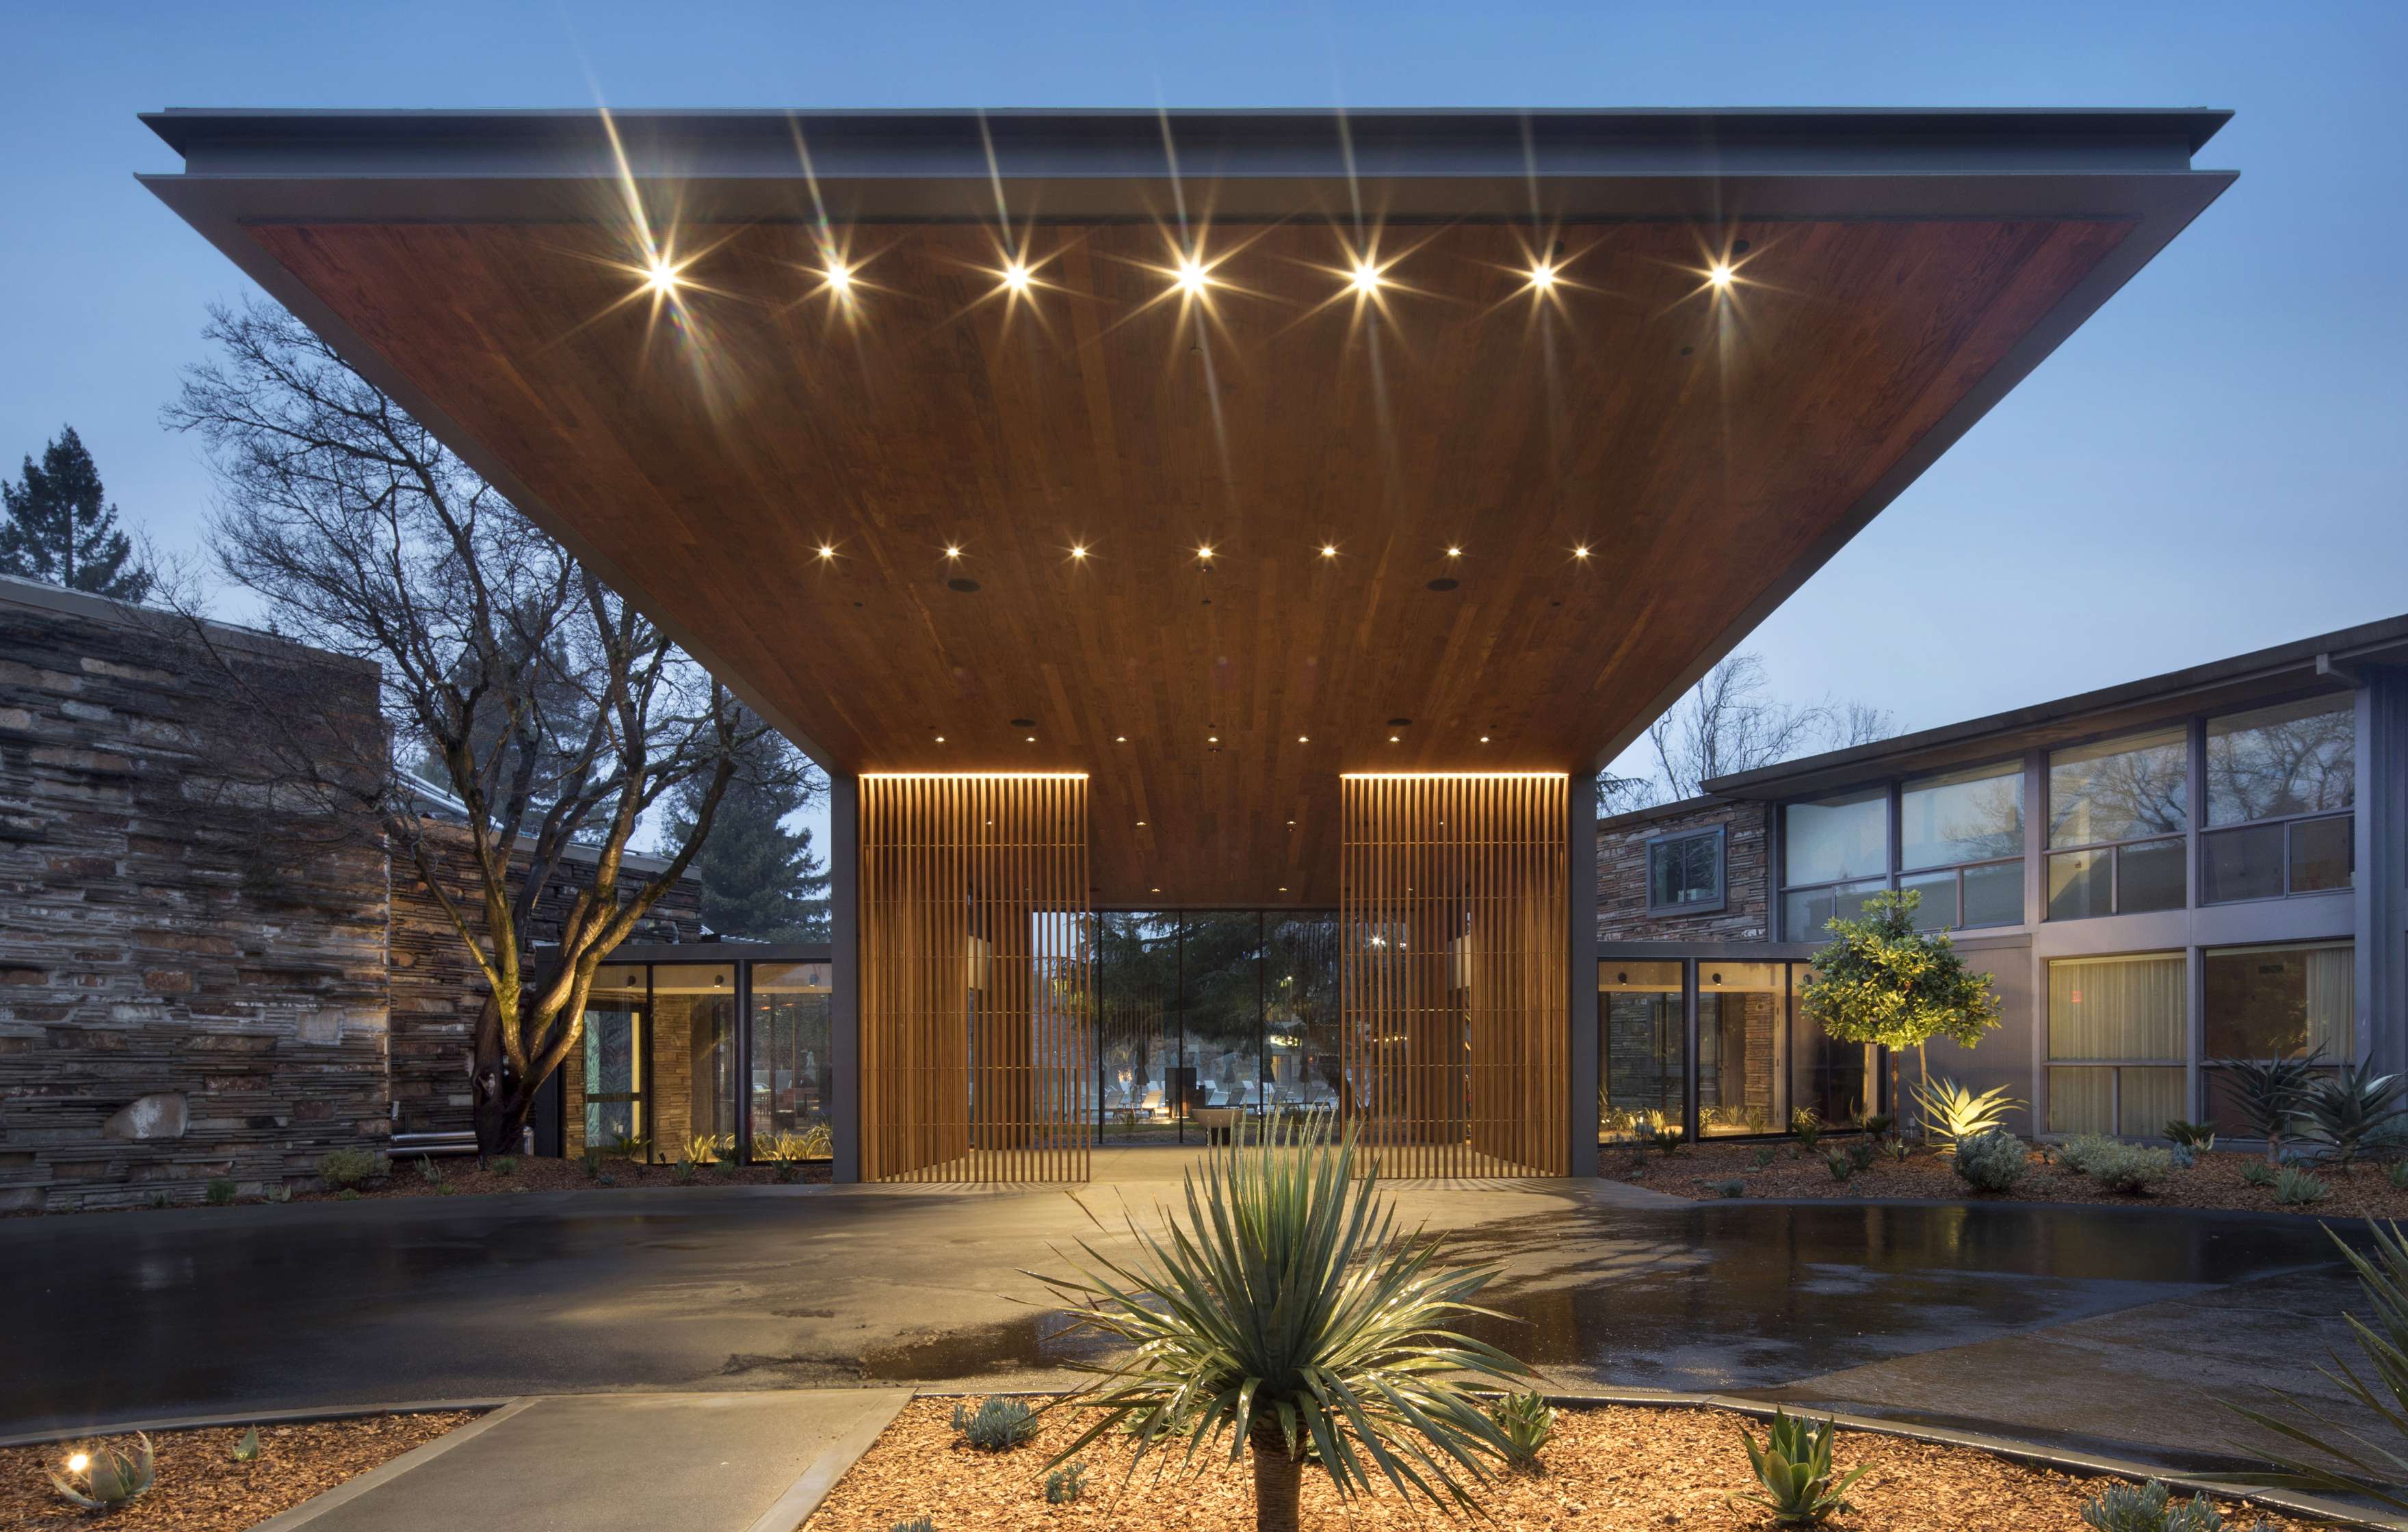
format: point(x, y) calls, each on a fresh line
point(2217, 461)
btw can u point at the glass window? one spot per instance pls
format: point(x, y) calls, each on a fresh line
point(2282, 1002)
point(1640, 1049)
point(1837, 838)
point(2245, 864)
point(794, 1076)
point(1936, 911)
point(1300, 1030)
point(1960, 816)
point(2298, 758)
point(1804, 912)
point(607, 1085)
point(2119, 789)
point(2117, 1007)
point(694, 1061)
point(1686, 871)
point(2080, 884)
point(1994, 894)
point(2323, 853)
point(1829, 1079)
point(2149, 876)
point(1742, 1047)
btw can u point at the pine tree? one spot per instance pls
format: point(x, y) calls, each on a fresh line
point(759, 878)
point(61, 528)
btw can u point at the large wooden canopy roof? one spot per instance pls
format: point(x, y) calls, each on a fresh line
point(1457, 435)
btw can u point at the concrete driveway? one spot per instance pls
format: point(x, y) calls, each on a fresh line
point(2060, 1324)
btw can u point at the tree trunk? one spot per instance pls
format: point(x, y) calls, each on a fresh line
point(1277, 1479)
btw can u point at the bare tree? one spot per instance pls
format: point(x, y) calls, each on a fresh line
point(556, 714)
point(1731, 723)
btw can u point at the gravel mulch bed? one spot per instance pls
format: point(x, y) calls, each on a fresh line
point(2215, 1181)
point(1606, 1470)
point(199, 1487)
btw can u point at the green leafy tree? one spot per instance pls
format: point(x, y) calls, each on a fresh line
point(61, 529)
point(1883, 981)
point(760, 879)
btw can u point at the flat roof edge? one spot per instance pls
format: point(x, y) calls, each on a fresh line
point(2387, 633)
point(1519, 141)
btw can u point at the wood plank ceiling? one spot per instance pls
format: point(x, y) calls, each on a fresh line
point(1697, 444)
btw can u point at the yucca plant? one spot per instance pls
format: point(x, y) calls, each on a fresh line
point(104, 1478)
point(2373, 1446)
point(2189, 1135)
point(1794, 1466)
point(1951, 1112)
point(2341, 1111)
point(2268, 1092)
point(1527, 1421)
point(1288, 1317)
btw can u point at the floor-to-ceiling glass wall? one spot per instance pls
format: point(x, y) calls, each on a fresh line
point(1757, 1060)
point(794, 1073)
point(1207, 1015)
point(694, 1061)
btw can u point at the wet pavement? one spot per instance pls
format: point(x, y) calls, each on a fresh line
point(2031, 1318)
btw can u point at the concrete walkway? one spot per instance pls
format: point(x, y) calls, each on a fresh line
point(619, 1463)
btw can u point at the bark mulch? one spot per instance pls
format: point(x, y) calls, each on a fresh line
point(2215, 1181)
point(1607, 1469)
point(199, 1487)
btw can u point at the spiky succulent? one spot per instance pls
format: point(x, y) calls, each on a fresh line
point(1794, 1466)
point(1525, 1421)
point(104, 1478)
point(1952, 1113)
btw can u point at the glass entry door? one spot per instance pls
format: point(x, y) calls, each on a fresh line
point(611, 1063)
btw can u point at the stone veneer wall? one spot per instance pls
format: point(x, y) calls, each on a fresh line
point(1622, 873)
point(189, 989)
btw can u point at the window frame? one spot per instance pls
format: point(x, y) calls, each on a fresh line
point(1720, 903)
point(2288, 823)
point(1894, 788)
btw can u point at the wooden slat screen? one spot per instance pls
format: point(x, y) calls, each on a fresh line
point(977, 1047)
point(1452, 952)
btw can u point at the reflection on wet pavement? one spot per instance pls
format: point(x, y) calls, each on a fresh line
point(1743, 1295)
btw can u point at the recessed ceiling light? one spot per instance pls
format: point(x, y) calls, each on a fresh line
point(1455, 553)
point(1015, 277)
point(1291, 822)
point(1302, 739)
point(1078, 550)
point(1392, 738)
point(940, 739)
point(1120, 740)
point(827, 552)
point(1204, 550)
point(1366, 278)
point(839, 277)
point(1141, 823)
point(1212, 738)
point(1721, 274)
point(1155, 891)
point(1542, 275)
point(1192, 277)
point(1282, 888)
point(952, 551)
point(1581, 553)
point(662, 277)
point(1328, 551)
point(1483, 739)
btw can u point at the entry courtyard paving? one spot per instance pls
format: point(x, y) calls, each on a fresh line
point(2106, 1329)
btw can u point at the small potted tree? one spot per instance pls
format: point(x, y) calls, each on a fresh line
point(1883, 980)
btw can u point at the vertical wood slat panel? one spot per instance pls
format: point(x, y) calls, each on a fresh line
point(1454, 1006)
point(974, 880)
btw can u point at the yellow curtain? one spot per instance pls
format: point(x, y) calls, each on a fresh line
point(2117, 1007)
point(2333, 1000)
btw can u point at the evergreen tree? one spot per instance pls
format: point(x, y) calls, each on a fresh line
point(760, 879)
point(59, 527)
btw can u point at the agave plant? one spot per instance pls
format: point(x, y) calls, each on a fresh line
point(2268, 1092)
point(1794, 1466)
point(104, 1478)
point(2374, 1445)
point(1289, 1317)
point(2341, 1111)
point(1951, 1112)
point(1527, 1421)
